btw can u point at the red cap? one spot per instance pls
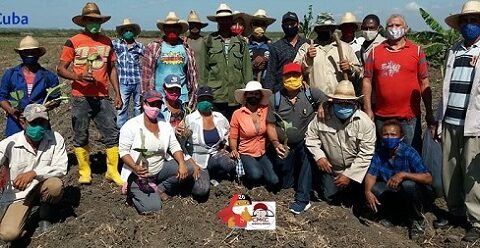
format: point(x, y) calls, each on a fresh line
point(292, 67)
point(260, 206)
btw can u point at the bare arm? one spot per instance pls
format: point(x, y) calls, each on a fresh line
point(422, 178)
point(367, 96)
point(63, 71)
point(272, 134)
point(427, 100)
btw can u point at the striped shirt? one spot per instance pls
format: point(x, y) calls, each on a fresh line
point(461, 84)
point(129, 70)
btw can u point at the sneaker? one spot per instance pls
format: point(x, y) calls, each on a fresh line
point(297, 207)
point(441, 223)
point(416, 230)
point(472, 235)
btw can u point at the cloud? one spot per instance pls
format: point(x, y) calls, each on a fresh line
point(412, 6)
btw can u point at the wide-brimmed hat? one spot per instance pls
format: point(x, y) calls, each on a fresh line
point(128, 24)
point(222, 11)
point(344, 91)
point(34, 111)
point(172, 19)
point(194, 18)
point(470, 7)
point(90, 10)
point(325, 20)
point(30, 43)
point(349, 18)
point(253, 86)
point(247, 29)
point(261, 15)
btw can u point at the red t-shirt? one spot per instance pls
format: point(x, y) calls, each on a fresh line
point(85, 52)
point(396, 75)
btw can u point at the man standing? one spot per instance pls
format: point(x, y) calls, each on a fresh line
point(128, 51)
point(371, 32)
point(398, 70)
point(321, 60)
point(259, 44)
point(459, 113)
point(36, 159)
point(94, 67)
point(170, 55)
point(283, 51)
point(289, 113)
point(195, 40)
point(228, 66)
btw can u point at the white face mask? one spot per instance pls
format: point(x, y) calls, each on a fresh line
point(395, 33)
point(369, 34)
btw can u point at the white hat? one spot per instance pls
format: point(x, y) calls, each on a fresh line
point(253, 86)
point(172, 19)
point(194, 18)
point(222, 11)
point(30, 43)
point(261, 15)
point(344, 91)
point(128, 24)
point(348, 18)
point(470, 7)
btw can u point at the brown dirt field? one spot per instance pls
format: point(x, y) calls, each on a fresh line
point(97, 216)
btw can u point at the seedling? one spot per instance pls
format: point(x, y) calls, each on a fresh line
point(54, 91)
point(17, 96)
point(286, 127)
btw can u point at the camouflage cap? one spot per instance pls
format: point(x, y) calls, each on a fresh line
point(34, 111)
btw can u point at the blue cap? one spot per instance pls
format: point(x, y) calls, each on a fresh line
point(171, 81)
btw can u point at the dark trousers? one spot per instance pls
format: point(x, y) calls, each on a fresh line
point(333, 194)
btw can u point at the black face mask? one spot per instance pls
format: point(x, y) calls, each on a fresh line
point(324, 35)
point(252, 100)
point(290, 31)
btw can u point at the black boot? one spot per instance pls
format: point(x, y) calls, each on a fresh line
point(45, 217)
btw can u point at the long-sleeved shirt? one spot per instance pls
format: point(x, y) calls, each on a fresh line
point(50, 160)
point(128, 60)
point(348, 146)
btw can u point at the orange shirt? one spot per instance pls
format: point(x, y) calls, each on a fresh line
point(85, 52)
point(251, 142)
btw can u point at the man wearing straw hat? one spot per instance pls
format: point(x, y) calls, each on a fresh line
point(194, 39)
point(321, 60)
point(343, 145)
point(93, 68)
point(170, 55)
point(459, 123)
point(128, 51)
point(259, 43)
point(29, 79)
point(228, 66)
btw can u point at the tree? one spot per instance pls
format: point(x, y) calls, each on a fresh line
point(306, 26)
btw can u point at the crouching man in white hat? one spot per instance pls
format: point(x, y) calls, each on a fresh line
point(36, 160)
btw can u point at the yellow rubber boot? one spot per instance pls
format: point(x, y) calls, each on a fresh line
point(112, 166)
point(84, 171)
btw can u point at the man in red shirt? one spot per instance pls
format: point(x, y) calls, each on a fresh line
point(93, 68)
point(398, 68)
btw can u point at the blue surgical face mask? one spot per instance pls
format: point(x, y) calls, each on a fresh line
point(30, 60)
point(35, 133)
point(470, 31)
point(391, 143)
point(343, 112)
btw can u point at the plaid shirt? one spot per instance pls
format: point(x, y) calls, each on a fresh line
point(149, 64)
point(128, 61)
point(406, 159)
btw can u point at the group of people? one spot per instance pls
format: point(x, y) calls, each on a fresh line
point(340, 116)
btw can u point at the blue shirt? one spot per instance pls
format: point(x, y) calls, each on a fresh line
point(129, 69)
point(406, 160)
point(172, 60)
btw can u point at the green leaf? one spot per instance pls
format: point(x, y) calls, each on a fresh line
point(17, 95)
point(431, 22)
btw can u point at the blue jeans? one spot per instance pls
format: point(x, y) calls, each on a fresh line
point(127, 92)
point(256, 168)
point(412, 130)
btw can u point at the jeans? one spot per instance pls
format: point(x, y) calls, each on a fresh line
point(127, 92)
point(412, 130)
point(333, 194)
point(218, 165)
point(101, 110)
point(256, 168)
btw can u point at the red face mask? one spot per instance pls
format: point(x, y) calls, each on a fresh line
point(237, 29)
point(171, 37)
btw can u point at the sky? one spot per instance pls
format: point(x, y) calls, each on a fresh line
point(58, 13)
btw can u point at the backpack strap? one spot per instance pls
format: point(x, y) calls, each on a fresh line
point(308, 94)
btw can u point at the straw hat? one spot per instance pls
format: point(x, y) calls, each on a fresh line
point(29, 43)
point(349, 18)
point(253, 86)
point(128, 24)
point(222, 11)
point(344, 91)
point(194, 18)
point(90, 10)
point(261, 15)
point(172, 19)
point(324, 20)
point(470, 7)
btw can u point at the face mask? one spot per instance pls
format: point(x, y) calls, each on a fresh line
point(343, 112)
point(29, 60)
point(205, 106)
point(194, 30)
point(171, 37)
point(293, 83)
point(237, 29)
point(252, 100)
point(172, 96)
point(324, 35)
point(35, 133)
point(258, 32)
point(369, 34)
point(395, 33)
point(93, 28)
point(391, 143)
point(470, 31)
point(290, 31)
point(151, 112)
point(128, 35)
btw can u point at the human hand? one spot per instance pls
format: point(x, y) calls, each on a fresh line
point(372, 201)
point(396, 180)
point(281, 151)
point(182, 172)
point(52, 104)
point(342, 181)
point(312, 51)
point(322, 111)
point(86, 77)
point(324, 165)
point(435, 134)
point(345, 66)
point(196, 172)
point(370, 113)
point(234, 154)
point(22, 181)
point(15, 113)
point(118, 102)
point(140, 171)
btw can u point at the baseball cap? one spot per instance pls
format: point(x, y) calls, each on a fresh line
point(152, 96)
point(204, 91)
point(292, 67)
point(290, 16)
point(171, 81)
point(34, 111)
